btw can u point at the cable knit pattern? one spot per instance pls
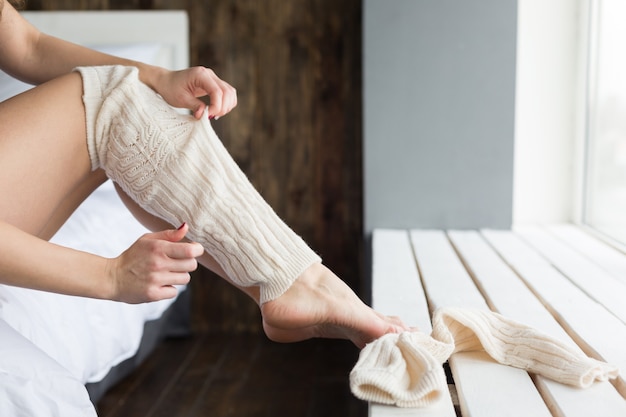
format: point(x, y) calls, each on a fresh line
point(405, 369)
point(176, 168)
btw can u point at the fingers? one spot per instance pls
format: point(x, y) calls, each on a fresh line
point(222, 96)
point(182, 255)
point(157, 262)
point(199, 110)
point(226, 102)
point(395, 324)
point(398, 325)
point(166, 292)
point(184, 250)
point(183, 89)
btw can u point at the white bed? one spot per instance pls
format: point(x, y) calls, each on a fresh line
point(54, 347)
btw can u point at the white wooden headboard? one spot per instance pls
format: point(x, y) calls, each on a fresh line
point(108, 29)
point(159, 37)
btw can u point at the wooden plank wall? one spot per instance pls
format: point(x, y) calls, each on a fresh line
point(297, 129)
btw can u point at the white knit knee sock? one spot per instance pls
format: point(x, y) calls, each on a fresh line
point(405, 369)
point(176, 168)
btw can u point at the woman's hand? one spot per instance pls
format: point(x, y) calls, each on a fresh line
point(153, 265)
point(35, 57)
point(183, 89)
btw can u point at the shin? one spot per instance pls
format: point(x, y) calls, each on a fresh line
point(176, 168)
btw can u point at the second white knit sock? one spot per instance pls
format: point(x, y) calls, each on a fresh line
point(405, 369)
point(176, 168)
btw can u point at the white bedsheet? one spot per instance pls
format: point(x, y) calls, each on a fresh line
point(85, 337)
point(34, 384)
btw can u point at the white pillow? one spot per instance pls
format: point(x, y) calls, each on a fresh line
point(146, 52)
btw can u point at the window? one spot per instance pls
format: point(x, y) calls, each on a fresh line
point(604, 193)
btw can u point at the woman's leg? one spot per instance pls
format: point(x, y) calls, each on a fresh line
point(154, 224)
point(43, 154)
point(176, 168)
point(318, 303)
point(45, 171)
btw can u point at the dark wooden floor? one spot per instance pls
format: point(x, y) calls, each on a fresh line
point(239, 375)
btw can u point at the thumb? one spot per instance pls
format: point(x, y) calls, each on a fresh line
point(199, 110)
point(172, 235)
point(196, 106)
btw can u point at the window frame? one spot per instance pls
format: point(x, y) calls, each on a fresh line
point(589, 48)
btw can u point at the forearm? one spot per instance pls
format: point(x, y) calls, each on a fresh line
point(52, 57)
point(30, 262)
point(34, 57)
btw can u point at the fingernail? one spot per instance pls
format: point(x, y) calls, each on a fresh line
point(181, 226)
point(211, 117)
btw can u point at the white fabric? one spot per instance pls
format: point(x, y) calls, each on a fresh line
point(34, 384)
point(405, 369)
point(10, 87)
point(58, 343)
point(86, 336)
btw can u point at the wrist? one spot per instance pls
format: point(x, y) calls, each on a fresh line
point(94, 277)
point(108, 282)
point(151, 75)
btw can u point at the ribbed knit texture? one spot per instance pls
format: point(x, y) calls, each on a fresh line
point(405, 369)
point(176, 168)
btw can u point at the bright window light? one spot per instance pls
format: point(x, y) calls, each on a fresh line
point(605, 185)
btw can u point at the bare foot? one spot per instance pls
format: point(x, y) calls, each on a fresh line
point(319, 304)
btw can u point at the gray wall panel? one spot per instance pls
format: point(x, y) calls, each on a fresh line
point(439, 98)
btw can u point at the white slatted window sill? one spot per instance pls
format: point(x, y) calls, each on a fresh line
point(558, 279)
